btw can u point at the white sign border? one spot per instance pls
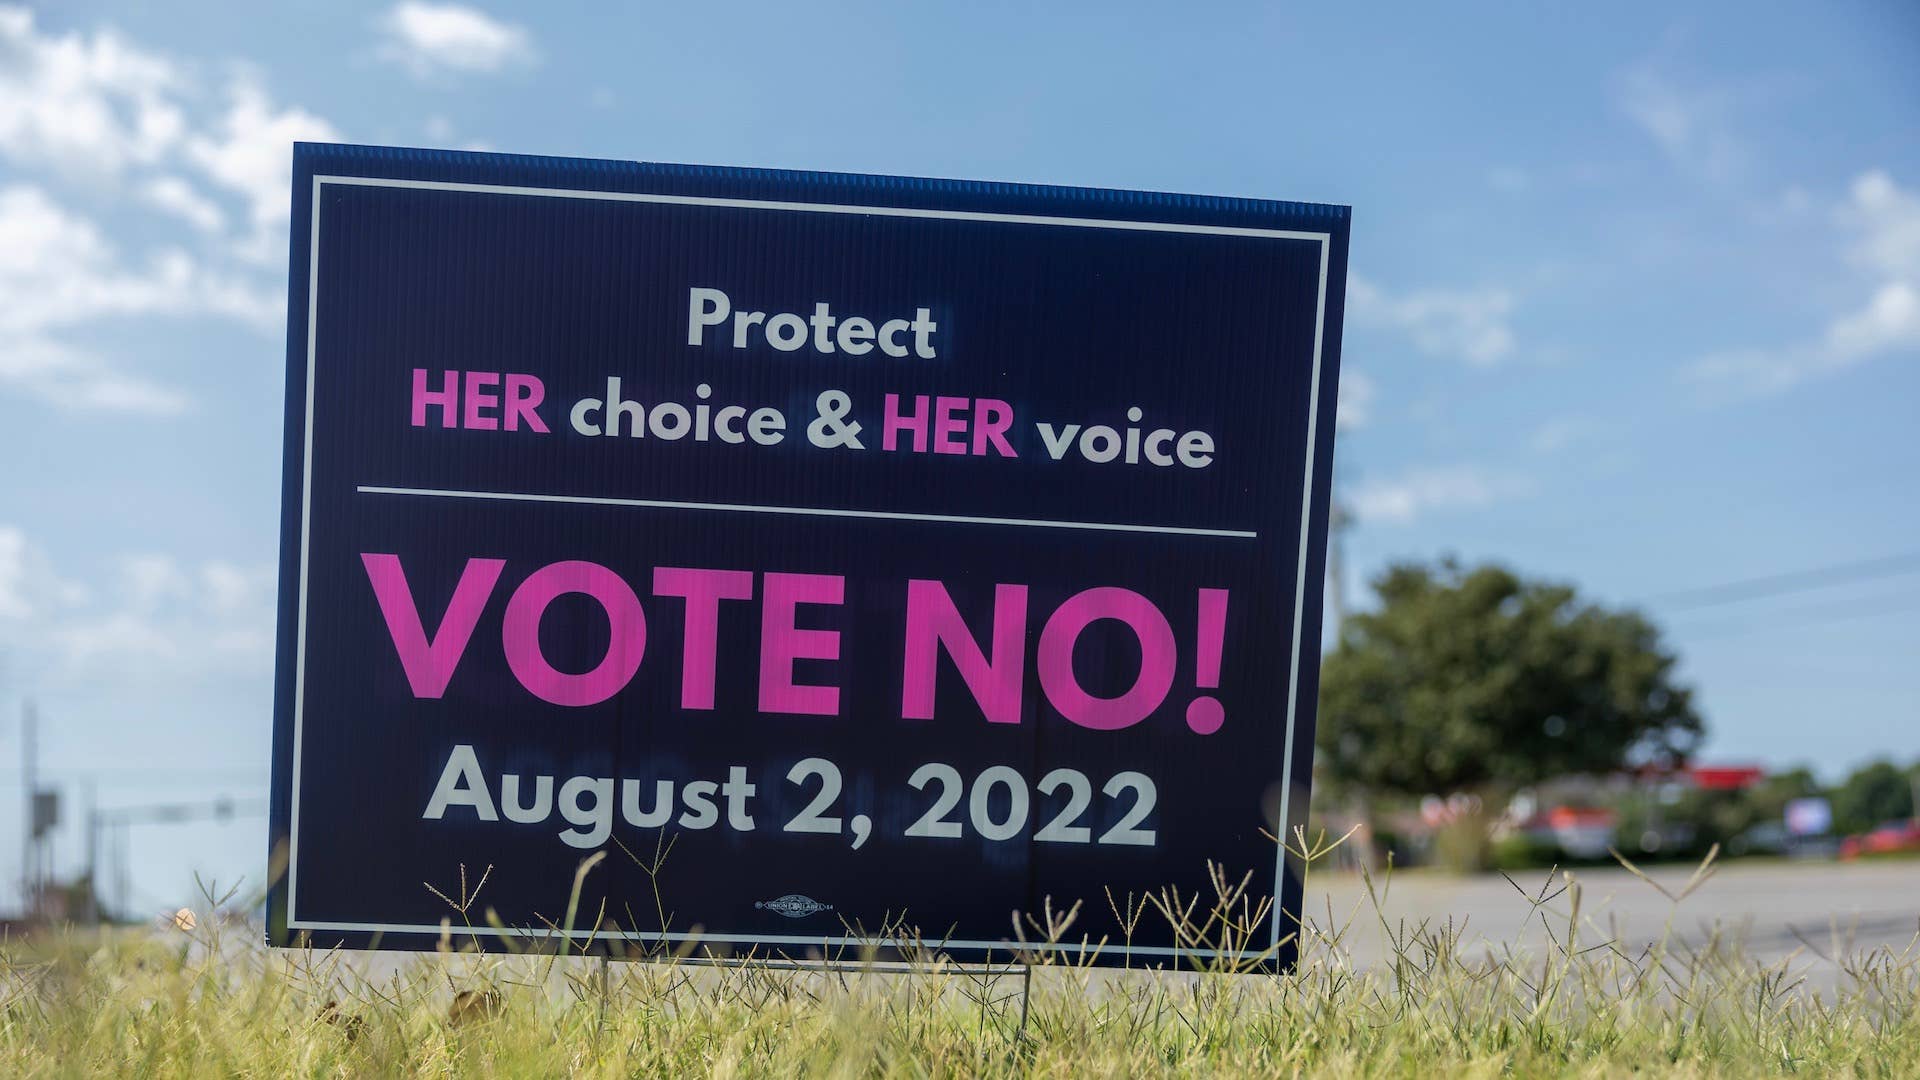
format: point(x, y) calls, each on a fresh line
point(1324, 239)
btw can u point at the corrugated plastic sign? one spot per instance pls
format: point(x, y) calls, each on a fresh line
point(854, 560)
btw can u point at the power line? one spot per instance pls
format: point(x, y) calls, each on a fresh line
point(138, 775)
point(1757, 588)
point(1808, 615)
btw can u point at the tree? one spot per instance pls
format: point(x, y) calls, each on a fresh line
point(1872, 795)
point(1478, 681)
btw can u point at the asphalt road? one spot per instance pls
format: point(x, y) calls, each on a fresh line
point(1812, 912)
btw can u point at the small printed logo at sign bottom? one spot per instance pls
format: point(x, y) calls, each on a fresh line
point(793, 905)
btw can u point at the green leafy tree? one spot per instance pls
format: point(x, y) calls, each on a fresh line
point(1479, 681)
point(1773, 794)
point(1872, 795)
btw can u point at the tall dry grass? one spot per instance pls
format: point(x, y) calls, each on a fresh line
point(209, 1000)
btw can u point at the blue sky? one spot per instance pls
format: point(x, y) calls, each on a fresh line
point(1635, 301)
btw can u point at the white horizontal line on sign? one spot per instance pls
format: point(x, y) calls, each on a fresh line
point(862, 210)
point(806, 511)
point(311, 284)
point(823, 940)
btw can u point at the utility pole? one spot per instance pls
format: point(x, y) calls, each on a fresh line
point(120, 819)
point(91, 901)
point(30, 840)
point(122, 877)
point(1339, 518)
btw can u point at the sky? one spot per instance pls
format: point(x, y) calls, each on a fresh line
point(1635, 305)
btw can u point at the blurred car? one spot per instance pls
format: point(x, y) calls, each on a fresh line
point(1766, 838)
point(1891, 838)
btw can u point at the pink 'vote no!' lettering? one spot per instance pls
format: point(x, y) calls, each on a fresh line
point(994, 672)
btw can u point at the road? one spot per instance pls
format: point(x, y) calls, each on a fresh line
point(1812, 912)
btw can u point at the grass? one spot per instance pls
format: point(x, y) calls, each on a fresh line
point(208, 1000)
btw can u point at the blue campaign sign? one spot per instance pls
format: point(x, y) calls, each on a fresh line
point(852, 559)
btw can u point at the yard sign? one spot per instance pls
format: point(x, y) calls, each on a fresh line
point(851, 558)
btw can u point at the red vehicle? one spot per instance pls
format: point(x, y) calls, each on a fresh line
point(1893, 837)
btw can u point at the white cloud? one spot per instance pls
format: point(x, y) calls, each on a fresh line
point(1355, 406)
point(76, 379)
point(1690, 125)
point(1556, 435)
point(58, 272)
point(440, 131)
point(28, 586)
point(1882, 223)
point(101, 107)
point(143, 137)
point(250, 153)
point(179, 198)
point(1886, 221)
point(56, 269)
point(426, 38)
point(1473, 325)
point(83, 104)
point(1417, 491)
point(153, 580)
point(168, 618)
point(231, 588)
point(13, 574)
point(1890, 319)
